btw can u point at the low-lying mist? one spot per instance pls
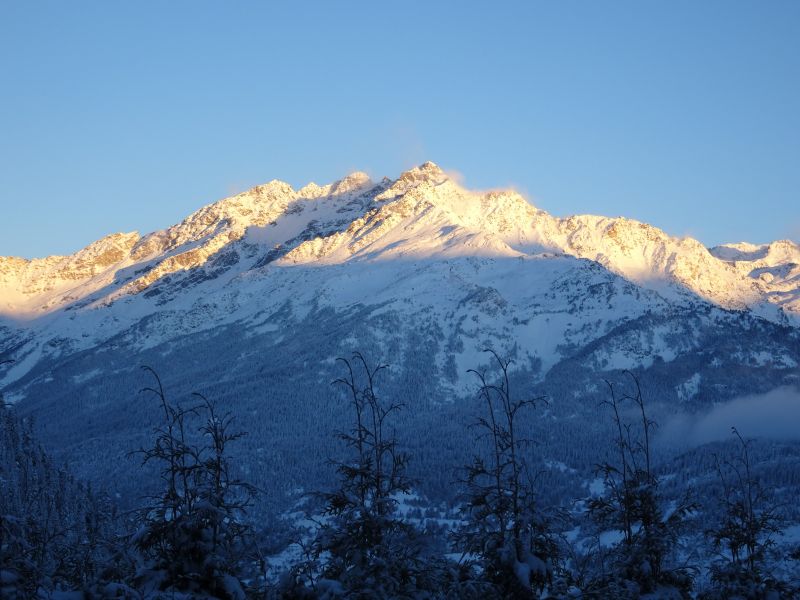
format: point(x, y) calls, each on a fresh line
point(775, 415)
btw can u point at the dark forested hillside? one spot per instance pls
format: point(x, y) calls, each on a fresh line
point(504, 519)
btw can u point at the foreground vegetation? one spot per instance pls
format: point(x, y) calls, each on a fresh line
point(195, 539)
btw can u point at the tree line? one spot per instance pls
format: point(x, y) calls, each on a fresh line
point(194, 538)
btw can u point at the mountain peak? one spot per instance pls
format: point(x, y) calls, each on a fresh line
point(265, 191)
point(430, 166)
point(353, 184)
point(427, 171)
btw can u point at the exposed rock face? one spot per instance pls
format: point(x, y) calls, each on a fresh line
point(31, 277)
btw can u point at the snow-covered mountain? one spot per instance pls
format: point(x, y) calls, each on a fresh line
point(418, 240)
point(421, 215)
point(252, 298)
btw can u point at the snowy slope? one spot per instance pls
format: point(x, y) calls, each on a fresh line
point(490, 266)
point(774, 269)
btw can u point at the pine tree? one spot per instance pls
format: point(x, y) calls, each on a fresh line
point(363, 548)
point(56, 533)
point(192, 535)
point(743, 536)
point(506, 533)
point(632, 505)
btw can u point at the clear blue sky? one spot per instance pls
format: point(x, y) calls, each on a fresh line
point(117, 116)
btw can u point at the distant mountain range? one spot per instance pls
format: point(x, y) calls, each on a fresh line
point(251, 299)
